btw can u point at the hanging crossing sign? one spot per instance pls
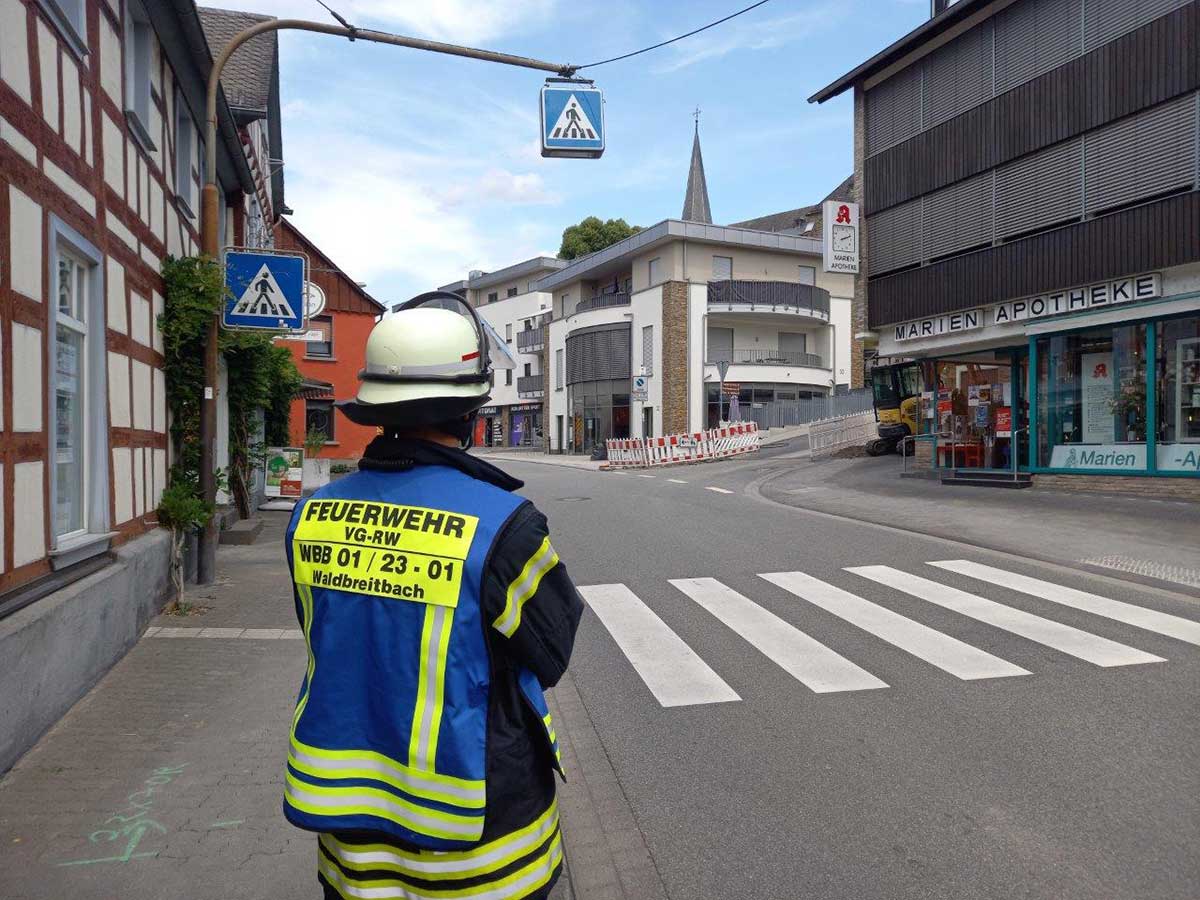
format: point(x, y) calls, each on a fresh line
point(572, 119)
point(266, 290)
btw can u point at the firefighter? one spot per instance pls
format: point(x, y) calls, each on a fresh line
point(435, 611)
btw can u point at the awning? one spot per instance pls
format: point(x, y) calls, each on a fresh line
point(312, 389)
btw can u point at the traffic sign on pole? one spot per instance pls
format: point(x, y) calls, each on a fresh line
point(572, 119)
point(266, 290)
point(639, 388)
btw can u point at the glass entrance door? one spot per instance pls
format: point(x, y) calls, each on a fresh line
point(977, 403)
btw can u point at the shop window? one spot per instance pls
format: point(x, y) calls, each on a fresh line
point(79, 477)
point(1177, 395)
point(318, 416)
point(138, 38)
point(322, 349)
point(1092, 399)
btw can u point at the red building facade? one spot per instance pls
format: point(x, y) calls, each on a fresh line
point(330, 367)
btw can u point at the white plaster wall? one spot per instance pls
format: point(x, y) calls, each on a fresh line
point(47, 48)
point(122, 485)
point(159, 466)
point(14, 48)
point(159, 418)
point(118, 319)
point(72, 109)
point(556, 401)
point(839, 317)
point(110, 62)
point(118, 390)
point(514, 311)
point(113, 142)
point(29, 540)
point(142, 412)
point(647, 310)
point(25, 244)
point(139, 319)
point(27, 378)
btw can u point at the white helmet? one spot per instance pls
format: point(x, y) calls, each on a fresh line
point(425, 364)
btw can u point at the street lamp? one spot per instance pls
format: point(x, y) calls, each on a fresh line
point(209, 210)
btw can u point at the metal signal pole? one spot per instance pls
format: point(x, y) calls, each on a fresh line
point(210, 208)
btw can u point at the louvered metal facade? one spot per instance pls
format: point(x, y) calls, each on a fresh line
point(1106, 20)
point(957, 218)
point(1034, 37)
point(599, 353)
point(1145, 155)
point(894, 110)
point(895, 236)
point(957, 76)
point(1039, 190)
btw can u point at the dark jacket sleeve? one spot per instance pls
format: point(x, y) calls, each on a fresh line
point(529, 600)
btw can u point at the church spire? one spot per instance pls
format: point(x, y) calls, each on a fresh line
point(695, 202)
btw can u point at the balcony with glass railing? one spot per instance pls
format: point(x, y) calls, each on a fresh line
point(531, 387)
point(741, 296)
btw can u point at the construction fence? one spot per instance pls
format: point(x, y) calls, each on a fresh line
point(788, 413)
point(715, 443)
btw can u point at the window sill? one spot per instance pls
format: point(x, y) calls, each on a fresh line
point(329, 359)
point(76, 42)
point(140, 135)
point(77, 549)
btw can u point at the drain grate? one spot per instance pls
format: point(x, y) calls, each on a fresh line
point(1161, 571)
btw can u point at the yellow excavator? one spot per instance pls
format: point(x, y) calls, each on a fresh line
point(896, 389)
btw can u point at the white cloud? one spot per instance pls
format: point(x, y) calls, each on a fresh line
point(749, 33)
point(452, 21)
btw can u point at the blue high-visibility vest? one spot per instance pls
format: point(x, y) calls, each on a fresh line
point(389, 732)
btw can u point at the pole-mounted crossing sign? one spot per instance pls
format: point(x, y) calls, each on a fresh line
point(266, 290)
point(572, 119)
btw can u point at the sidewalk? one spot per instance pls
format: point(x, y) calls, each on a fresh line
point(166, 780)
point(1118, 534)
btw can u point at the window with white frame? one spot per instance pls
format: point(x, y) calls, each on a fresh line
point(70, 17)
point(138, 39)
point(655, 266)
point(185, 146)
point(70, 394)
point(808, 274)
point(78, 408)
point(508, 333)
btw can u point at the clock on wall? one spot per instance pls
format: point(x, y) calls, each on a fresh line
point(843, 238)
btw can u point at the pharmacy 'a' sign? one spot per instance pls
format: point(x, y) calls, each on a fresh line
point(840, 236)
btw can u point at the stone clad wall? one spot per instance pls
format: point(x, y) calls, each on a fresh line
point(674, 364)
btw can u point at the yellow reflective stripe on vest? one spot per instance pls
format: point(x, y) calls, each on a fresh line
point(339, 764)
point(489, 857)
point(321, 800)
point(431, 684)
point(520, 883)
point(304, 592)
point(525, 586)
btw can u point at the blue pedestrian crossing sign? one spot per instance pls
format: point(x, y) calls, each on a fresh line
point(266, 290)
point(572, 120)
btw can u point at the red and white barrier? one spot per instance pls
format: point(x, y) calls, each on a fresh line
point(673, 449)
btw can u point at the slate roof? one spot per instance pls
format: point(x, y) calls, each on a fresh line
point(793, 221)
point(248, 75)
point(695, 201)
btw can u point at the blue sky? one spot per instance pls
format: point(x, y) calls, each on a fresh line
point(410, 168)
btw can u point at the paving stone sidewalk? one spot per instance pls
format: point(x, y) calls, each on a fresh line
point(165, 781)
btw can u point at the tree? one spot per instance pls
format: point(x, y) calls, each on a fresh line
point(591, 235)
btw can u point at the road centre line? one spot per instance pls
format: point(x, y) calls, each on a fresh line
point(1137, 616)
point(1089, 647)
point(717, 490)
point(672, 671)
point(947, 653)
point(804, 658)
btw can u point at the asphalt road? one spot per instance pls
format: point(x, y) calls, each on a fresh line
point(900, 732)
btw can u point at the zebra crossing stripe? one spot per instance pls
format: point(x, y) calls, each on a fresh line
point(807, 660)
point(669, 667)
point(1149, 619)
point(1064, 638)
point(947, 653)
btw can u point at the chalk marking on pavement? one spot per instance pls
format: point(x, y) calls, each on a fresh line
point(1081, 644)
point(717, 490)
point(676, 481)
point(668, 667)
point(230, 824)
point(807, 660)
point(947, 653)
point(132, 827)
point(1137, 616)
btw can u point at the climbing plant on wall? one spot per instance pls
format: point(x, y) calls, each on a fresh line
point(261, 376)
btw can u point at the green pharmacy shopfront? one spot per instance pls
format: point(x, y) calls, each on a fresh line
point(1094, 379)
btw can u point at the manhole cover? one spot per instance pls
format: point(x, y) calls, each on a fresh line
point(572, 499)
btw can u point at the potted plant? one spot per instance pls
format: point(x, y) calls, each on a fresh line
point(316, 470)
